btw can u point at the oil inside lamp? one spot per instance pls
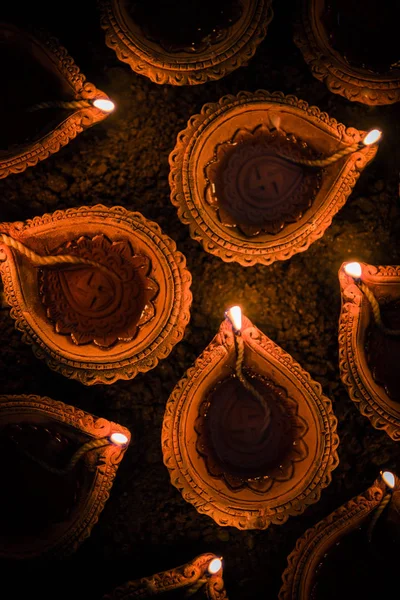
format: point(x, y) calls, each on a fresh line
point(215, 566)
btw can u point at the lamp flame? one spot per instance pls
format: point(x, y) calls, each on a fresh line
point(353, 269)
point(104, 104)
point(372, 137)
point(234, 314)
point(215, 566)
point(388, 478)
point(119, 439)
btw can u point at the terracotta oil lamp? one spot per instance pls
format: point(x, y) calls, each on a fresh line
point(202, 577)
point(185, 43)
point(100, 293)
point(60, 467)
point(369, 342)
point(259, 177)
point(37, 120)
point(248, 437)
point(353, 49)
point(352, 553)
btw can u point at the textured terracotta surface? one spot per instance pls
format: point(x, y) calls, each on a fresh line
point(225, 45)
point(369, 359)
point(46, 514)
point(84, 322)
point(243, 202)
point(303, 563)
point(189, 577)
point(242, 474)
point(29, 137)
point(357, 82)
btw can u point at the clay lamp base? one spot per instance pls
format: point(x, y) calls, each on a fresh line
point(203, 577)
point(259, 177)
point(354, 50)
point(59, 469)
point(37, 120)
point(185, 43)
point(248, 438)
point(369, 342)
point(114, 311)
point(353, 553)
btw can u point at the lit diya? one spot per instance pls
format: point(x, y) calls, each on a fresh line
point(57, 475)
point(185, 43)
point(353, 50)
point(352, 553)
point(248, 437)
point(201, 577)
point(259, 177)
point(100, 293)
point(37, 120)
point(369, 341)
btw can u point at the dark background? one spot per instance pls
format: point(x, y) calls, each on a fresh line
point(146, 526)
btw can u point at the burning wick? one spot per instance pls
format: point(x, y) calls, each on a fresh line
point(354, 270)
point(389, 480)
point(116, 439)
point(372, 137)
point(234, 314)
point(102, 104)
point(214, 567)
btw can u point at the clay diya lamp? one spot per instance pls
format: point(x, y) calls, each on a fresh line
point(369, 342)
point(201, 577)
point(37, 120)
point(58, 473)
point(352, 553)
point(248, 437)
point(100, 293)
point(185, 43)
point(354, 50)
point(259, 177)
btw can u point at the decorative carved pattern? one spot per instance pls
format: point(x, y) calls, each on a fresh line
point(28, 154)
point(235, 435)
point(185, 576)
point(148, 58)
point(299, 575)
point(327, 65)
point(246, 508)
point(63, 538)
point(90, 364)
point(196, 147)
point(92, 306)
point(251, 188)
point(370, 396)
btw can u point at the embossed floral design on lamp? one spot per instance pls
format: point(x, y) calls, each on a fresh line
point(49, 509)
point(359, 541)
point(116, 304)
point(354, 51)
point(204, 573)
point(259, 177)
point(242, 465)
point(70, 104)
point(185, 43)
point(369, 342)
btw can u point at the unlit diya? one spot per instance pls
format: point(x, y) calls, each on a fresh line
point(114, 311)
point(185, 43)
point(369, 356)
point(353, 49)
point(44, 511)
point(238, 180)
point(249, 458)
point(37, 120)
